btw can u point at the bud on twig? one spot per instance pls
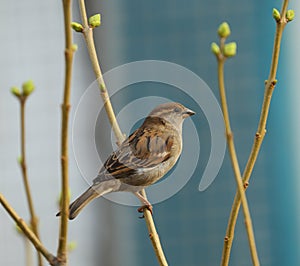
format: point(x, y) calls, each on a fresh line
point(229, 49)
point(290, 14)
point(215, 48)
point(15, 91)
point(20, 159)
point(276, 14)
point(95, 21)
point(77, 27)
point(74, 47)
point(72, 245)
point(224, 30)
point(28, 87)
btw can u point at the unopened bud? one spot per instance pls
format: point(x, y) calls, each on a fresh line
point(77, 27)
point(95, 21)
point(74, 47)
point(72, 245)
point(15, 91)
point(290, 14)
point(276, 14)
point(20, 159)
point(215, 48)
point(224, 30)
point(229, 49)
point(28, 87)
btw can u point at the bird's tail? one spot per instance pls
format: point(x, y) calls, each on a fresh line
point(77, 205)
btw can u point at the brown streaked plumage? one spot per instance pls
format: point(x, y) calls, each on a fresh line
point(142, 159)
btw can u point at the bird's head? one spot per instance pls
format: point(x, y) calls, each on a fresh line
point(172, 112)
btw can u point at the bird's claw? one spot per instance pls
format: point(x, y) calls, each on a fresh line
point(142, 209)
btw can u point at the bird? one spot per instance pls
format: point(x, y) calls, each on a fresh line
point(142, 159)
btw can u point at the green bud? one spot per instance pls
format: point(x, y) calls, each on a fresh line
point(28, 87)
point(276, 14)
point(15, 91)
point(20, 159)
point(229, 49)
point(290, 14)
point(74, 47)
point(215, 48)
point(77, 27)
point(224, 30)
point(72, 245)
point(95, 21)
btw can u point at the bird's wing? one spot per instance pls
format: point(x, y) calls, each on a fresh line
point(144, 149)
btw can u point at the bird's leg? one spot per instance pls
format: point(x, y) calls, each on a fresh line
point(147, 205)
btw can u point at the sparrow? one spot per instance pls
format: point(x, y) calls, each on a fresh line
point(142, 159)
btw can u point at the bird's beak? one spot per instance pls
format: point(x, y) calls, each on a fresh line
point(188, 112)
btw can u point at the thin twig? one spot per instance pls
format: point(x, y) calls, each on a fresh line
point(62, 245)
point(154, 237)
point(259, 136)
point(33, 217)
point(269, 88)
point(28, 232)
point(235, 164)
point(88, 36)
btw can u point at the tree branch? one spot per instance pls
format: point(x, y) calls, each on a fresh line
point(28, 232)
point(259, 136)
point(69, 51)
point(234, 162)
point(33, 217)
point(88, 36)
point(89, 39)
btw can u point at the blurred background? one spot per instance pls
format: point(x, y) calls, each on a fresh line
point(191, 224)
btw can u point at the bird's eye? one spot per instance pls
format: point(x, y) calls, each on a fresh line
point(177, 110)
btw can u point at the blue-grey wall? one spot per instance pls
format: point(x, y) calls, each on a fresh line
point(192, 224)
